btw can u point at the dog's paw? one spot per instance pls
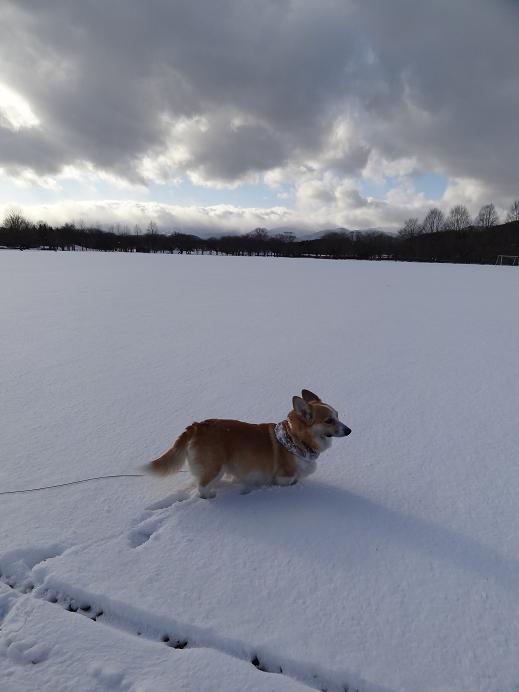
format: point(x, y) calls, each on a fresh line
point(285, 480)
point(206, 494)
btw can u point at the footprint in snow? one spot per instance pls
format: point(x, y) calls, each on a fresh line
point(26, 651)
point(148, 523)
point(144, 531)
point(178, 496)
point(16, 566)
point(109, 677)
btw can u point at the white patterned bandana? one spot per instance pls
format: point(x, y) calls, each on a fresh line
point(298, 449)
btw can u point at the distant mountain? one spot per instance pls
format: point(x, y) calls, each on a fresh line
point(316, 235)
point(305, 234)
point(298, 231)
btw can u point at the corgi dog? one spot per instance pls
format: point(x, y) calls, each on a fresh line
point(255, 454)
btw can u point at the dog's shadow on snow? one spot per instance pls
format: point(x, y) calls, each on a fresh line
point(326, 523)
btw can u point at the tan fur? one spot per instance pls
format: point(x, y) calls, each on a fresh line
point(247, 451)
point(173, 459)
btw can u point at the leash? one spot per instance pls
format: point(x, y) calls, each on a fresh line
point(83, 480)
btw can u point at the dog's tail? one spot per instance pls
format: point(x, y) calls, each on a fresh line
point(172, 460)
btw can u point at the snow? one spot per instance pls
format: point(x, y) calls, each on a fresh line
point(44, 648)
point(395, 567)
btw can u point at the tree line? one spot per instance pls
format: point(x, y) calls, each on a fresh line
point(458, 219)
point(437, 238)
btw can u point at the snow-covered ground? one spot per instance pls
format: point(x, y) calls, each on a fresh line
point(394, 568)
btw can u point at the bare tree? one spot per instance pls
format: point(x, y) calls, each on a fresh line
point(458, 219)
point(410, 229)
point(259, 234)
point(15, 221)
point(487, 216)
point(513, 212)
point(434, 221)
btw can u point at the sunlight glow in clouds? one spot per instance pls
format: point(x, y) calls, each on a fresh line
point(15, 111)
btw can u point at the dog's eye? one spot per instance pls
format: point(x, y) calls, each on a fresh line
point(329, 421)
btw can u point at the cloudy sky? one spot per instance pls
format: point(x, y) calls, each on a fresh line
point(228, 114)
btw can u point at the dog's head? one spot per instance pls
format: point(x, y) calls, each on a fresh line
point(311, 418)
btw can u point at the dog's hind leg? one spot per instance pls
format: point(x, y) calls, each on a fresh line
point(206, 470)
point(204, 466)
point(206, 483)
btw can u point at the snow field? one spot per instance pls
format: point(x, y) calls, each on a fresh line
point(395, 567)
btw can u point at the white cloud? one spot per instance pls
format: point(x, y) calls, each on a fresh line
point(170, 217)
point(353, 213)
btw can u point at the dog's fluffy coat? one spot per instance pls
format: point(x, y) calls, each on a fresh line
point(250, 452)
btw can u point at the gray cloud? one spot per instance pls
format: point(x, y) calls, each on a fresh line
point(267, 82)
point(100, 78)
point(448, 71)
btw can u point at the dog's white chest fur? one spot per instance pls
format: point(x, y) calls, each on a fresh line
point(305, 467)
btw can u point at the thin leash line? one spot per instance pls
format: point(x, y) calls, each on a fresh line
point(83, 480)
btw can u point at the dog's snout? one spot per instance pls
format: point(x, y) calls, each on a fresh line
point(347, 431)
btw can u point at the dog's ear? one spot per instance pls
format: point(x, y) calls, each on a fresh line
point(309, 396)
point(303, 410)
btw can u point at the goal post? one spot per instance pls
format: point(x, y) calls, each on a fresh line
point(508, 260)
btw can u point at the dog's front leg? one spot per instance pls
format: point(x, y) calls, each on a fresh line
point(252, 481)
point(285, 480)
point(286, 472)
